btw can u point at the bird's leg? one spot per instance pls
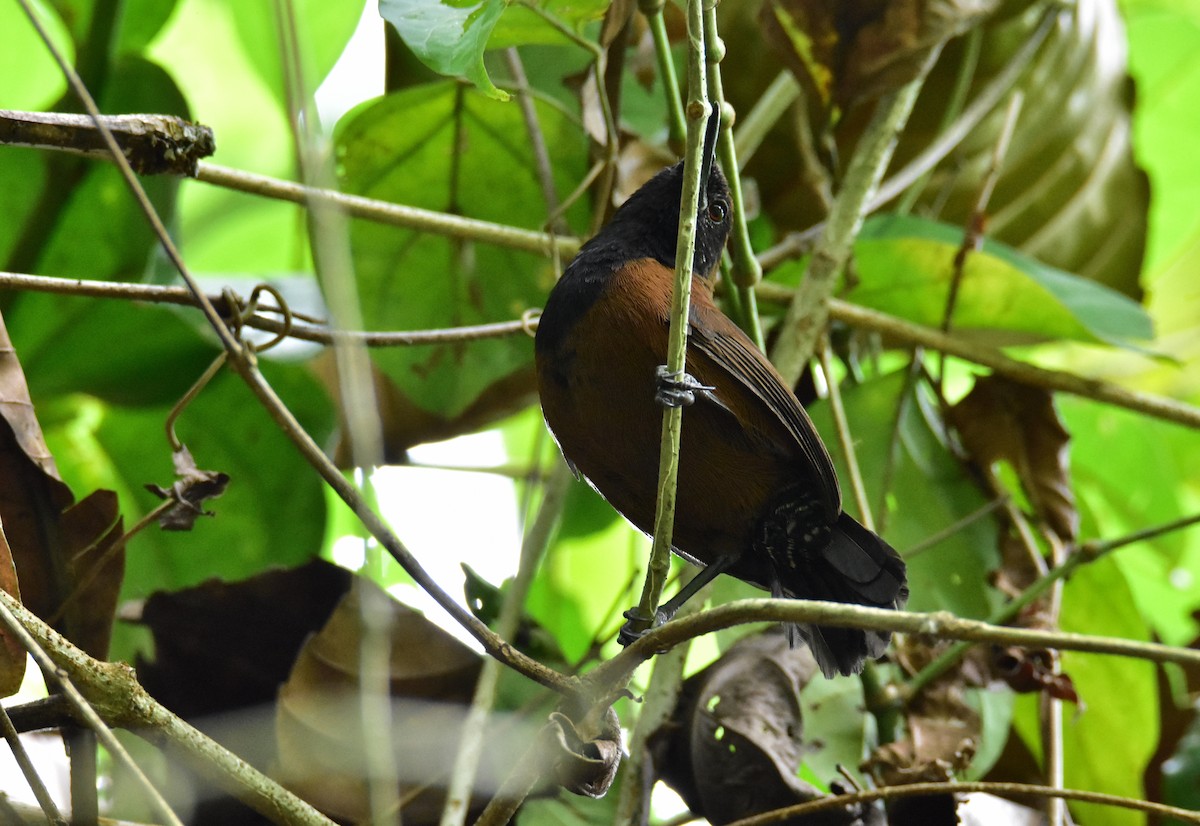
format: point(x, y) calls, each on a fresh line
point(630, 631)
point(677, 389)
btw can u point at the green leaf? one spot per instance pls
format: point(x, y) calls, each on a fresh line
point(322, 28)
point(907, 267)
point(1111, 447)
point(273, 512)
point(159, 356)
point(520, 25)
point(1120, 694)
point(448, 36)
point(408, 148)
point(29, 77)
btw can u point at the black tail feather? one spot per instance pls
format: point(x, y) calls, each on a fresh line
point(857, 568)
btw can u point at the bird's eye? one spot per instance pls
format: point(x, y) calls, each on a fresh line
point(716, 212)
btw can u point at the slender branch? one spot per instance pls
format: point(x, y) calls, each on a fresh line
point(845, 437)
point(940, 624)
point(470, 747)
point(833, 802)
point(807, 315)
point(383, 212)
point(1085, 553)
point(676, 124)
point(1159, 407)
point(672, 421)
point(768, 109)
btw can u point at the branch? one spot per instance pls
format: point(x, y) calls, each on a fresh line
point(833, 802)
point(383, 212)
point(112, 691)
point(698, 112)
point(940, 624)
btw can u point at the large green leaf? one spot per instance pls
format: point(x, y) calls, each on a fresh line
point(1112, 456)
point(29, 77)
point(449, 36)
point(520, 25)
point(1120, 694)
point(321, 28)
point(447, 147)
point(273, 512)
point(907, 268)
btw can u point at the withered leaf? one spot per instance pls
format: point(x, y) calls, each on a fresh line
point(1003, 420)
point(12, 655)
point(189, 492)
point(1027, 670)
point(846, 51)
point(585, 766)
point(734, 743)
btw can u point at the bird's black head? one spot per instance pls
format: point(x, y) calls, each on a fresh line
point(650, 219)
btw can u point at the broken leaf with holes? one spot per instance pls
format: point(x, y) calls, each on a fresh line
point(189, 493)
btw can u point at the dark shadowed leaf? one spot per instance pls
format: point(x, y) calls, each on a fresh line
point(846, 51)
point(736, 739)
point(1000, 420)
point(221, 646)
point(12, 654)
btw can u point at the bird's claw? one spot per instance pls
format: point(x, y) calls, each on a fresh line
point(638, 624)
point(677, 389)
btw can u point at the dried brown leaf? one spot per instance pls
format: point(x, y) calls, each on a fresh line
point(734, 743)
point(847, 51)
point(189, 492)
point(319, 728)
point(586, 765)
point(1001, 420)
point(12, 655)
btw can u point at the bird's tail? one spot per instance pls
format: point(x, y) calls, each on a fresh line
point(858, 568)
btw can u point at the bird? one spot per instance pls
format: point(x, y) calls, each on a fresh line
point(757, 497)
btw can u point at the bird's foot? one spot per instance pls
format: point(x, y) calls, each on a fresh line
point(638, 624)
point(677, 389)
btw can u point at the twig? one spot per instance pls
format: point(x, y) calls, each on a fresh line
point(470, 747)
point(8, 616)
point(668, 463)
point(1159, 407)
point(941, 624)
point(356, 206)
point(21, 756)
point(921, 789)
point(807, 315)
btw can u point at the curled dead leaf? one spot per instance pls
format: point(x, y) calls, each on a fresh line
point(585, 766)
point(734, 743)
point(1027, 670)
point(189, 492)
point(1003, 420)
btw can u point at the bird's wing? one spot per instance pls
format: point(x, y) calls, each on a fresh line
point(718, 348)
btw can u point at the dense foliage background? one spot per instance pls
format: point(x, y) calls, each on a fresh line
point(1090, 267)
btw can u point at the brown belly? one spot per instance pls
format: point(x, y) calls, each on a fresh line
point(608, 425)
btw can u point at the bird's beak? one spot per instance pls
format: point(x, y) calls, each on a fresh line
point(712, 130)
